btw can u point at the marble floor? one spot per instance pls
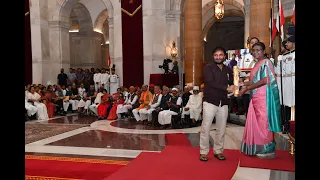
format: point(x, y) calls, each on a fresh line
point(86, 137)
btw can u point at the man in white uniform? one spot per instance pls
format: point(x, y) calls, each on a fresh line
point(247, 60)
point(288, 80)
point(114, 81)
point(194, 105)
point(97, 80)
point(105, 80)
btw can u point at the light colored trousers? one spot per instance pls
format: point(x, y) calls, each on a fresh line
point(66, 105)
point(97, 86)
point(165, 116)
point(123, 109)
point(194, 113)
point(221, 114)
point(31, 110)
point(146, 114)
point(94, 108)
point(84, 104)
point(143, 114)
point(74, 104)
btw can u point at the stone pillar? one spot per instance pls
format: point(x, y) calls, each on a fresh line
point(59, 52)
point(154, 33)
point(40, 42)
point(246, 21)
point(116, 45)
point(193, 42)
point(259, 21)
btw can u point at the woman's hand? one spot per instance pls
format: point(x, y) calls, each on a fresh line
point(242, 91)
point(231, 88)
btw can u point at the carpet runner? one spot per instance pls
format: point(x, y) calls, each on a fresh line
point(54, 168)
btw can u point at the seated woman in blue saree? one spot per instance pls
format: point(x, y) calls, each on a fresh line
point(263, 117)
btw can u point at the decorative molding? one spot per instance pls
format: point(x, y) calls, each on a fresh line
point(134, 12)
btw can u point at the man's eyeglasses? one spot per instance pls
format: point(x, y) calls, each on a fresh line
point(256, 50)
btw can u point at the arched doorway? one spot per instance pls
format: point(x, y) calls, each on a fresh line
point(227, 32)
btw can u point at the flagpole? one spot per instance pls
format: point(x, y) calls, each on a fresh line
point(283, 109)
point(271, 24)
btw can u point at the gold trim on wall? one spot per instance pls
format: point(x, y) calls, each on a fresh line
point(134, 12)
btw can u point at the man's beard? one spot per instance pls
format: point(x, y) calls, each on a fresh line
point(218, 62)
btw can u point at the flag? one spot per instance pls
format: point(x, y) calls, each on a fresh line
point(274, 29)
point(282, 20)
point(293, 18)
point(109, 61)
point(270, 27)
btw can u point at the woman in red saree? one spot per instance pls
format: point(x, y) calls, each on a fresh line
point(49, 99)
point(105, 103)
point(117, 99)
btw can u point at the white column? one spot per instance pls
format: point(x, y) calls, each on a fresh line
point(116, 40)
point(154, 37)
point(39, 40)
point(59, 51)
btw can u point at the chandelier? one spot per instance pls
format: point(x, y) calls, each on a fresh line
point(219, 9)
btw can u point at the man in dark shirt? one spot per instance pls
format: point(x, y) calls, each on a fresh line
point(233, 62)
point(62, 78)
point(217, 77)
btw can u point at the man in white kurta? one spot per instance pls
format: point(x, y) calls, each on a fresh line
point(34, 97)
point(174, 103)
point(93, 107)
point(31, 109)
point(194, 105)
point(104, 81)
point(146, 113)
point(114, 82)
point(97, 80)
point(131, 99)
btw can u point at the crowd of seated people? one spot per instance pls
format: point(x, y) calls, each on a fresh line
point(152, 105)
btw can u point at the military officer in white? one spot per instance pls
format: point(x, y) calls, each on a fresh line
point(105, 80)
point(114, 80)
point(194, 105)
point(247, 60)
point(97, 80)
point(288, 78)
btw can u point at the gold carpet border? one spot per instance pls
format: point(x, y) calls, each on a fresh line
point(70, 159)
point(47, 178)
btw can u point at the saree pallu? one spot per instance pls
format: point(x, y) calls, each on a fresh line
point(263, 118)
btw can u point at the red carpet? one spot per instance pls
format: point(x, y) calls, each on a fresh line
point(283, 162)
point(70, 168)
point(177, 139)
point(178, 163)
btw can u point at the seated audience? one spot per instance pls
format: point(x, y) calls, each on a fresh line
point(144, 100)
point(131, 102)
point(163, 104)
point(103, 106)
point(174, 104)
point(33, 99)
point(146, 112)
point(194, 106)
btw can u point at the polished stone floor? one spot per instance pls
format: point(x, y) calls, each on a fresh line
point(124, 140)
